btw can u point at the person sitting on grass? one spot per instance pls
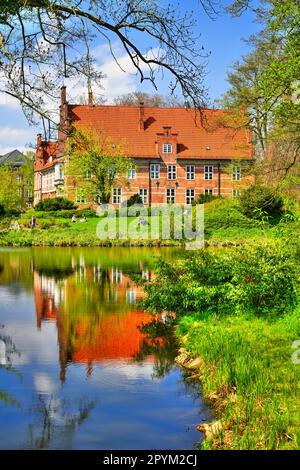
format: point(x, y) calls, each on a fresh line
point(83, 218)
point(74, 219)
point(142, 221)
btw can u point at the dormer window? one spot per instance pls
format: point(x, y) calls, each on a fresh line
point(167, 148)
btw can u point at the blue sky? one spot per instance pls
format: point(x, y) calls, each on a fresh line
point(222, 37)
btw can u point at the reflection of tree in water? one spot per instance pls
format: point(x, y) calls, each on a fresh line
point(55, 422)
point(160, 342)
point(8, 350)
point(55, 273)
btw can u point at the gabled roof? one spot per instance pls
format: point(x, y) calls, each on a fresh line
point(14, 158)
point(205, 135)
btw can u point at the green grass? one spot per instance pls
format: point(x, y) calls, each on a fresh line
point(248, 375)
point(224, 224)
point(238, 310)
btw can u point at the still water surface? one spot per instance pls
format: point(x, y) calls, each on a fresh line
point(76, 370)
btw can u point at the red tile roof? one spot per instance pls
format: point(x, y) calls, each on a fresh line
point(196, 132)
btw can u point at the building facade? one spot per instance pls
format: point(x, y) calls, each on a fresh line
point(178, 153)
point(16, 161)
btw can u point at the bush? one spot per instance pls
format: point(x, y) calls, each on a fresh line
point(134, 199)
point(224, 213)
point(45, 224)
point(65, 214)
point(203, 198)
point(55, 204)
point(257, 279)
point(2, 210)
point(258, 202)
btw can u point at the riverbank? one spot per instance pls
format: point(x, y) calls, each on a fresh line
point(239, 322)
point(224, 225)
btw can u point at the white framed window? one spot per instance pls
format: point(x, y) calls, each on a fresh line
point(80, 198)
point(208, 192)
point(167, 148)
point(236, 173)
point(132, 173)
point(235, 193)
point(19, 178)
point(189, 196)
point(170, 196)
point(190, 172)
point(144, 195)
point(48, 181)
point(208, 172)
point(155, 171)
point(172, 172)
point(117, 196)
point(131, 296)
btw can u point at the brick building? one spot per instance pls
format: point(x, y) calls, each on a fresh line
point(179, 153)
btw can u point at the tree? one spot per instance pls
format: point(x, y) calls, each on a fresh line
point(152, 100)
point(267, 83)
point(245, 89)
point(16, 184)
point(10, 189)
point(95, 164)
point(42, 42)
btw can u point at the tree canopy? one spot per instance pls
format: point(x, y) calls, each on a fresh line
point(96, 163)
point(43, 42)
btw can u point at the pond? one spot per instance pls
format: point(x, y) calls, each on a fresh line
point(78, 369)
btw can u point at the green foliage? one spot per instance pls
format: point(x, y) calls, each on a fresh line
point(248, 376)
point(261, 279)
point(2, 210)
point(99, 162)
point(259, 202)
point(203, 198)
point(55, 204)
point(134, 199)
point(225, 213)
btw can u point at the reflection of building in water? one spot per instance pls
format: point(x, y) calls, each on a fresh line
point(48, 296)
point(95, 315)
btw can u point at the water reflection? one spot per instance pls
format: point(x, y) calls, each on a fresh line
point(94, 311)
point(96, 371)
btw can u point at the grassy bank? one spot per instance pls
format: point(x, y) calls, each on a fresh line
point(224, 225)
point(238, 310)
point(248, 376)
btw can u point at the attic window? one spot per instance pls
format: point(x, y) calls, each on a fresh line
point(167, 148)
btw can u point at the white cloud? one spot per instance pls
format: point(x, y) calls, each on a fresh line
point(11, 134)
point(44, 383)
point(9, 101)
point(15, 138)
point(21, 148)
point(120, 76)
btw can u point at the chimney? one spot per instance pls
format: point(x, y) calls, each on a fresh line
point(90, 98)
point(167, 130)
point(63, 95)
point(142, 115)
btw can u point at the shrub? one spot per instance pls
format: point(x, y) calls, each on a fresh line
point(2, 210)
point(258, 202)
point(203, 198)
point(65, 214)
point(134, 199)
point(224, 213)
point(45, 224)
point(55, 204)
point(257, 279)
